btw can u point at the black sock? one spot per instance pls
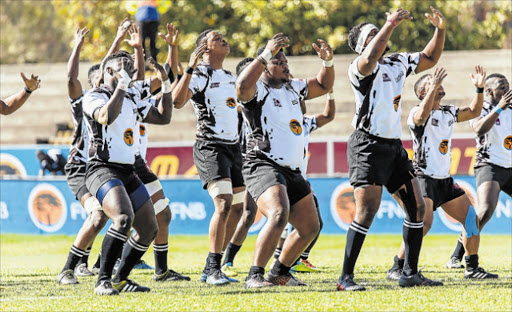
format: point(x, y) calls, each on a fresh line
point(74, 256)
point(355, 239)
point(132, 253)
point(98, 261)
point(213, 261)
point(231, 252)
point(160, 252)
point(459, 250)
point(279, 269)
point(85, 258)
point(471, 262)
point(413, 238)
point(277, 252)
point(399, 264)
point(255, 270)
point(111, 247)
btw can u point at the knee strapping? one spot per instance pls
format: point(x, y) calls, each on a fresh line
point(160, 205)
point(91, 204)
point(105, 188)
point(409, 200)
point(470, 224)
point(139, 197)
point(238, 198)
point(220, 187)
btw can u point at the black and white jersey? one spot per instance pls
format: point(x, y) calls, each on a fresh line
point(432, 142)
point(142, 89)
point(310, 124)
point(274, 121)
point(242, 138)
point(378, 96)
point(113, 143)
point(77, 151)
point(214, 102)
point(495, 147)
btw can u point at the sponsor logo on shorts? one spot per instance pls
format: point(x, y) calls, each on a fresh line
point(296, 127)
point(259, 222)
point(343, 205)
point(231, 103)
point(142, 130)
point(47, 207)
point(10, 165)
point(128, 137)
point(396, 102)
point(508, 142)
point(443, 147)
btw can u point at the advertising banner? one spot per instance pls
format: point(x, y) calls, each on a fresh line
point(48, 207)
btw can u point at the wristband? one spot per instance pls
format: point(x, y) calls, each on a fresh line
point(266, 55)
point(327, 63)
point(330, 96)
point(189, 70)
point(479, 90)
point(392, 22)
point(27, 90)
point(262, 61)
point(166, 86)
point(497, 110)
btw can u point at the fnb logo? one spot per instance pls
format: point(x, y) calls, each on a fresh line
point(396, 102)
point(508, 142)
point(231, 103)
point(296, 127)
point(443, 147)
point(343, 205)
point(47, 207)
point(128, 137)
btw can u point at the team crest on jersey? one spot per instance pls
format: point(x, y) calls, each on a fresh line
point(443, 147)
point(277, 103)
point(508, 142)
point(142, 130)
point(396, 102)
point(231, 103)
point(296, 127)
point(128, 137)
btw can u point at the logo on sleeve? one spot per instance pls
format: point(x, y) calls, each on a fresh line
point(396, 102)
point(296, 127)
point(128, 137)
point(443, 147)
point(508, 142)
point(142, 130)
point(231, 103)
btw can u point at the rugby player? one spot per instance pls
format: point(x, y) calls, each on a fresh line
point(75, 171)
point(275, 150)
point(493, 165)
point(110, 173)
point(216, 151)
point(376, 157)
point(431, 125)
point(15, 101)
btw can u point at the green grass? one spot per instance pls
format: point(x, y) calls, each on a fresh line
point(29, 265)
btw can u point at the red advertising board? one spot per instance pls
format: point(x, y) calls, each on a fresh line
point(178, 160)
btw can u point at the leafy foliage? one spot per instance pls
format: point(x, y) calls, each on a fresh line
point(38, 31)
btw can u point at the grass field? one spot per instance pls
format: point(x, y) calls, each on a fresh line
point(29, 265)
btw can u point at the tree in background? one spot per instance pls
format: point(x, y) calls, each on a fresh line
point(42, 31)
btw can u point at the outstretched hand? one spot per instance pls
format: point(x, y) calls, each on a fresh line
point(123, 27)
point(399, 16)
point(135, 40)
point(506, 100)
point(437, 78)
point(160, 70)
point(324, 51)
point(479, 78)
point(437, 19)
point(80, 35)
point(172, 35)
point(196, 55)
point(278, 42)
point(33, 83)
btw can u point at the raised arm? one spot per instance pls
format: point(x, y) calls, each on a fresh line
point(122, 29)
point(135, 42)
point(329, 111)
point(15, 101)
point(425, 107)
point(171, 38)
point(483, 124)
point(163, 113)
point(475, 108)
point(181, 93)
point(74, 86)
point(246, 82)
point(324, 80)
point(432, 52)
point(377, 46)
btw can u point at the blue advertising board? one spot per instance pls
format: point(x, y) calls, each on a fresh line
point(48, 207)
